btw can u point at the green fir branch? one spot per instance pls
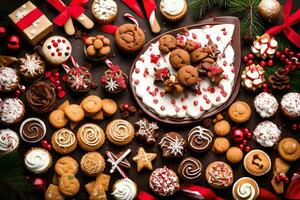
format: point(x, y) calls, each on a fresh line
point(199, 8)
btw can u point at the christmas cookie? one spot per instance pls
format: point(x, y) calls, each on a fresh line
point(9, 79)
point(188, 75)
point(57, 49)
point(264, 46)
point(257, 162)
point(234, 155)
point(31, 67)
point(37, 160)
point(97, 47)
point(105, 11)
point(129, 38)
point(64, 141)
point(239, 112)
point(66, 165)
point(219, 175)
point(120, 132)
point(58, 119)
point(118, 159)
point(90, 137)
point(11, 111)
point(98, 192)
point(253, 77)
point(164, 181)
point(172, 145)
point(190, 169)
point(92, 163)
point(146, 130)
point(74, 112)
point(144, 159)
point(69, 185)
point(245, 188)
point(114, 79)
point(265, 104)
point(9, 141)
point(289, 149)
point(32, 130)
point(91, 104)
point(221, 145)
point(173, 10)
point(200, 139)
point(41, 97)
point(266, 133)
point(79, 79)
point(167, 43)
point(124, 189)
point(222, 128)
point(53, 193)
point(179, 58)
point(290, 105)
point(109, 107)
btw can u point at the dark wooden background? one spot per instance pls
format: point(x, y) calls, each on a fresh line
point(125, 61)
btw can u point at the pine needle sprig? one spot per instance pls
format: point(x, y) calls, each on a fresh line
point(199, 8)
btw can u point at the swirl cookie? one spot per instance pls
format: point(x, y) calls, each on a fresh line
point(37, 160)
point(120, 132)
point(245, 188)
point(219, 175)
point(167, 43)
point(200, 139)
point(129, 38)
point(32, 130)
point(239, 112)
point(92, 163)
point(90, 137)
point(66, 165)
point(69, 185)
point(64, 141)
point(190, 169)
point(124, 189)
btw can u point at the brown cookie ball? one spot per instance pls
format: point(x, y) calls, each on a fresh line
point(179, 58)
point(197, 55)
point(188, 75)
point(167, 43)
point(190, 45)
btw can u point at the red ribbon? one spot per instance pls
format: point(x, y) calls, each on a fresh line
point(149, 6)
point(75, 9)
point(133, 5)
point(293, 191)
point(29, 19)
point(108, 28)
point(288, 21)
point(266, 195)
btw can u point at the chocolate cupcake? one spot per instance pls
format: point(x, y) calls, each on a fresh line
point(32, 130)
point(32, 67)
point(11, 111)
point(190, 169)
point(200, 139)
point(41, 97)
point(290, 105)
point(9, 79)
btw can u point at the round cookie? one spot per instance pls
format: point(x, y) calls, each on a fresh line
point(167, 43)
point(12, 111)
point(74, 112)
point(289, 149)
point(64, 141)
point(53, 193)
point(32, 130)
point(172, 145)
point(239, 112)
point(257, 162)
point(129, 38)
point(266, 133)
point(58, 119)
point(109, 107)
point(57, 49)
point(234, 155)
point(199, 139)
point(66, 165)
point(9, 79)
point(290, 105)
point(222, 128)
point(221, 145)
point(219, 175)
point(92, 163)
point(31, 67)
point(179, 58)
point(90, 137)
point(120, 132)
point(105, 11)
point(188, 75)
point(197, 55)
point(92, 104)
point(265, 104)
point(69, 185)
point(190, 169)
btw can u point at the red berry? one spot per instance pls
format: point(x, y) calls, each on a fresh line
point(250, 62)
point(125, 106)
point(291, 54)
point(298, 55)
point(246, 130)
point(282, 57)
point(59, 88)
point(285, 179)
point(14, 39)
point(17, 93)
point(289, 63)
point(294, 126)
point(265, 85)
point(298, 126)
point(48, 147)
point(249, 135)
point(250, 56)
point(245, 142)
point(61, 94)
point(262, 63)
point(286, 50)
point(270, 63)
point(56, 74)
point(247, 148)
point(277, 178)
point(2, 31)
point(242, 147)
point(278, 54)
point(245, 59)
point(57, 82)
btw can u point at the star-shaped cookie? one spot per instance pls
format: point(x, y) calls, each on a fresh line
point(144, 159)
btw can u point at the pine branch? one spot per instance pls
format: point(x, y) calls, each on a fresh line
point(199, 8)
point(295, 81)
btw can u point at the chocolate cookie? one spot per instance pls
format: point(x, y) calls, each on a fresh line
point(188, 75)
point(200, 139)
point(172, 145)
point(191, 45)
point(190, 169)
point(179, 58)
point(167, 43)
point(129, 37)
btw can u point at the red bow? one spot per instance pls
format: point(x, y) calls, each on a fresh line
point(288, 21)
point(75, 9)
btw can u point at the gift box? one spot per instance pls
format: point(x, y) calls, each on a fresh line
point(33, 24)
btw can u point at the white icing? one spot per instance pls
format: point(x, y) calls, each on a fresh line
point(8, 76)
point(246, 191)
point(185, 107)
point(172, 7)
point(125, 189)
point(11, 109)
point(266, 133)
point(104, 9)
point(64, 138)
point(9, 140)
point(291, 103)
point(31, 65)
point(174, 146)
point(120, 130)
point(265, 104)
point(37, 160)
point(90, 134)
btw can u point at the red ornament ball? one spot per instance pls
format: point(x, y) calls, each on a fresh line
point(285, 179)
point(278, 54)
point(250, 56)
point(242, 147)
point(237, 136)
point(247, 148)
point(262, 63)
point(38, 183)
point(245, 59)
point(13, 42)
point(270, 63)
point(45, 144)
point(250, 62)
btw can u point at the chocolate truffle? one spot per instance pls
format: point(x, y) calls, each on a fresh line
point(190, 169)
point(172, 145)
point(200, 139)
point(32, 130)
point(290, 105)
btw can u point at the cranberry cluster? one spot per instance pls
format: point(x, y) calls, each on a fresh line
point(54, 78)
point(45, 144)
point(241, 137)
point(281, 177)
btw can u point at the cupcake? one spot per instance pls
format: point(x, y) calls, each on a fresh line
point(9, 141)
point(266, 133)
point(105, 11)
point(265, 105)
point(32, 130)
point(9, 79)
point(290, 105)
point(219, 175)
point(11, 111)
point(124, 189)
point(257, 162)
point(64, 141)
point(245, 188)
point(32, 67)
point(92, 163)
point(37, 160)
point(41, 97)
point(90, 137)
point(173, 10)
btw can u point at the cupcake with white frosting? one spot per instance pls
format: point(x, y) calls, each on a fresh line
point(105, 11)
point(245, 189)
point(124, 189)
point(37, 160)
point(9, 141)
point(173, 10)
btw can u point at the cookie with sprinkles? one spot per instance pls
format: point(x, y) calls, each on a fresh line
point(32, 67)
point(172, 145)
point(79, 79)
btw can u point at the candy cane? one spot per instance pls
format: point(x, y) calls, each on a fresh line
point(74, 61)
point(132, 18)
point(115, 163)
point(66, 67)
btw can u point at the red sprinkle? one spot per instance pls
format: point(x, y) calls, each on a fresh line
point(155, 101)
point(55, 44)
point(225, 63)
point(68, 48)
point(182, 99)
point(207, 101)
point(63, 41)
point(58, 40)
point(59, 54)
point(177, 109)
point(162, 94)
point(156, 89)
point(201, 108)
point(154, 58)
point(136, 82)
point(218, 38)
point(173, 101)
point(218, 99)
point(194, 35)
point(207, 36)
point(137, 70)
point(184, 107)
point(162, 108)
point(52, 54)
point(224, 32)
point(148, 88)
point(48, 74)
point(195, 103)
